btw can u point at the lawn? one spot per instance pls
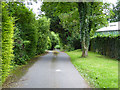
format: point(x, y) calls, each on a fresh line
point(99, 71)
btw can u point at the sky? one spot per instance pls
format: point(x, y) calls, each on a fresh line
point(111, 1)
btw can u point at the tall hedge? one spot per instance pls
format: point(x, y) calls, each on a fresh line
point(7, 41)
point(43, 34)
point(108, 46)
point(0, 44)
point(25, 36)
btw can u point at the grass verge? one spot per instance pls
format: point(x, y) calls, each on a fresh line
point(98, 70)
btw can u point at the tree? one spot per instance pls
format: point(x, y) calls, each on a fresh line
point(91, 17)
point(67, 38)
point(43, 34)
point(27, 28)
point(116, 10)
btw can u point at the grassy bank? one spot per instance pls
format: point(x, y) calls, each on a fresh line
point(98, 70)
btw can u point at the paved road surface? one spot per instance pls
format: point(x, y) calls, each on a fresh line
point(51, 71)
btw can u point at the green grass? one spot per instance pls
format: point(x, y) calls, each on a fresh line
point(98, 70)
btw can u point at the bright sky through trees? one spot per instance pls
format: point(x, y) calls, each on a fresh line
point(111, 1)
point(37, 5)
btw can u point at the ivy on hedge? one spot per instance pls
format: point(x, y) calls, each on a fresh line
point(108, 46)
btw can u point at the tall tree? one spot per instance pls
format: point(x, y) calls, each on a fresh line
point(92, 15)
point(116, 10)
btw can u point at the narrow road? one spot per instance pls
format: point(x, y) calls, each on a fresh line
point(52, 71)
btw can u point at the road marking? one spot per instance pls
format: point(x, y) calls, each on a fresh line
point(58, 70)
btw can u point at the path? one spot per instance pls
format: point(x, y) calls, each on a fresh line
point(52, 71)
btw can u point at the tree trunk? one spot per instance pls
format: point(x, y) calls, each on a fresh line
point(84, 27)
point(82, 16)
point(84, 52)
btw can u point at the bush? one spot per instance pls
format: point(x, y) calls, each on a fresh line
point(7, 41)
point(54, 39)
point(22, 41)
point(57, 47)
point(19, 48)
point(43, 35)
point(49, 44)
point(108, 46)
point(25, 36)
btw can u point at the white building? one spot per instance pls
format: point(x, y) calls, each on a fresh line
point(113, 28)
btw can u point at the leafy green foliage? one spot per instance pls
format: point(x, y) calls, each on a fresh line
point(54, 39)
point(78, 20)
point(30, 36)
point(44, 41)
point(7, 41)
point(57, 47)
point(19, 48)
point(63, 24)
point(108, 46)
point(70, 23)
point(49, 44)
point(116, 10)
point(93, 15)
point(26, 22)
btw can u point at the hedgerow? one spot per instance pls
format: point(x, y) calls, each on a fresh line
point(23, 36)
point(108, 46)
point(43, 34)
point(7, 41)
point(54, 37)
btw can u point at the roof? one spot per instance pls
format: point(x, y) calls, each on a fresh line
point(115, 26)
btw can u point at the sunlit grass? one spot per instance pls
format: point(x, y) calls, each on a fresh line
point(98, 70)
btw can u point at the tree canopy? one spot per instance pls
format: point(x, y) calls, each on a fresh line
point(116, 10)
point(83, 18)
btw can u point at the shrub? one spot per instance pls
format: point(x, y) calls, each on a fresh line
point(26, 35)
point(54, 39)
point(49, 44)
point(57, 47)
point(19, 48)
point(108, 46)
point(7, 41)
point(43, 35)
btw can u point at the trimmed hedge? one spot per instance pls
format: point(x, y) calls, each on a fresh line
point(7, 41)
point(108, 46)
point(23, 36)
point(43, 35)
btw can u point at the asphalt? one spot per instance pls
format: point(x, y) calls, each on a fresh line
point(52, 71)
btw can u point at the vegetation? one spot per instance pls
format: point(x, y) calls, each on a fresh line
point(98, 70)
point(108, 46)
point(67, 26)
point(83, 19)
point(7, 41)
point(54, 37)
point(57, 47)
point(43, 35)
point(116, 10)
point(23, 36)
